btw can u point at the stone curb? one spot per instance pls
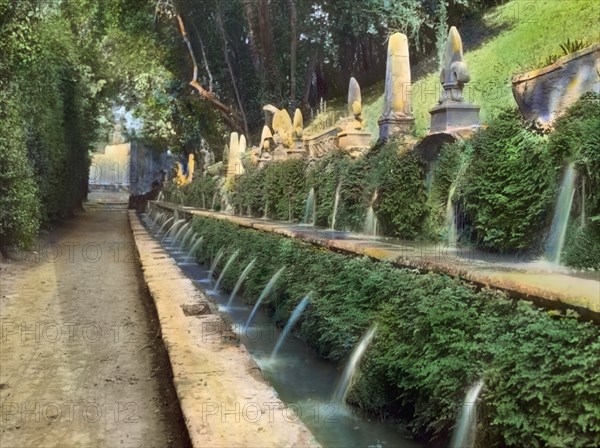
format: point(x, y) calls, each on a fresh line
point(225, 400)
point(587, 305)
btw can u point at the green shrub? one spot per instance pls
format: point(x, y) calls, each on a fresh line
point(436, 336)
point(447, 174)
point(19, 202)
point(508, 186)
point(399, 177)
point(582, 246)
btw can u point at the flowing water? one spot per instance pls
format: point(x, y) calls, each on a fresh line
point(451, 219)
point(265, 292)
point(186, 236)
point(371, 224)
point(335, 204)
point(203, 200)
point(310, 209)
point(289, 325)
point(583, 202)
point(173, 229)
point(180, 232)
point(160, 197)
point(164, 224)
point(240, 280)
point(466, 427)
point(347, 378)
point(214, 264)
point(302, 379)
point(562, 211)
point(226, 268)
point(197, 244)
point(214, 201)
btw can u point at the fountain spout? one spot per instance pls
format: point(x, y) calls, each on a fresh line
point(347, 379)
point(227, 265)
point(265, 292)
point(241, 279)
point(290, 324)
point(466, 428)
point(562, 211)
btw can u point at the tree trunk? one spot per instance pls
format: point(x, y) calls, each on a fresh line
point(310, 69)
point(250, 14)
point(209, 73)
point(219, 20)
point(293, 48)
point(267, 46)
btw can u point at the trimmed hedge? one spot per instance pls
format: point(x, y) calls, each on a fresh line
point(437, 335)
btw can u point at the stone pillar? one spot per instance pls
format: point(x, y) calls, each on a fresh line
point(241, 151)
point(233, 155)
point(453, 112)
point(397, 110)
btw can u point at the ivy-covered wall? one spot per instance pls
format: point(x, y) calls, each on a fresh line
point(503, 184)
point(436, 336)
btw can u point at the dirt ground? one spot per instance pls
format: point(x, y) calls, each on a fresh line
point(82, 363)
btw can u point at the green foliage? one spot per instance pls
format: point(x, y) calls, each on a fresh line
point(436, 336)
point(53, 98)
point(582, 246)
point(508, 186)
point(399, 180)
point(568, 47)
point(571, 46)
point(515, 45)
point(286, 190)
point(19, 202)
point(202, 192)
point(576, 139)
point(448, 172)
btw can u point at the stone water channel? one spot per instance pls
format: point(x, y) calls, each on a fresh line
point(304, 381)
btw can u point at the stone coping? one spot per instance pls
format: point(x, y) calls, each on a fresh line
point(546, 286)
point(225, 399)
point(556, 66)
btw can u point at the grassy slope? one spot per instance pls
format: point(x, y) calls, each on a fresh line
point(534, 30)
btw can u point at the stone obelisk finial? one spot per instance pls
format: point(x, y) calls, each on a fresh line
point(241, 151)
point(397, 111)
point(233, 155)
point(454, 74)
point(453, 112)
point(353, 97)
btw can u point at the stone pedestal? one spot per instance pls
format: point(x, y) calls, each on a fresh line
point(353, 140)
point(453, 115)
point(279, 154)
point(392, 125)
point(297, 151)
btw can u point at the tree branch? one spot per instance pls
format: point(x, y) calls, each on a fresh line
point(225, 111)
point(210, 76)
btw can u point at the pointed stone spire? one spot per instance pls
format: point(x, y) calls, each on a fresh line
point(233, 156)
point(354, 97)
point(265, 138)
point(397, 110)
point(241, 152)
point(298, 124)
